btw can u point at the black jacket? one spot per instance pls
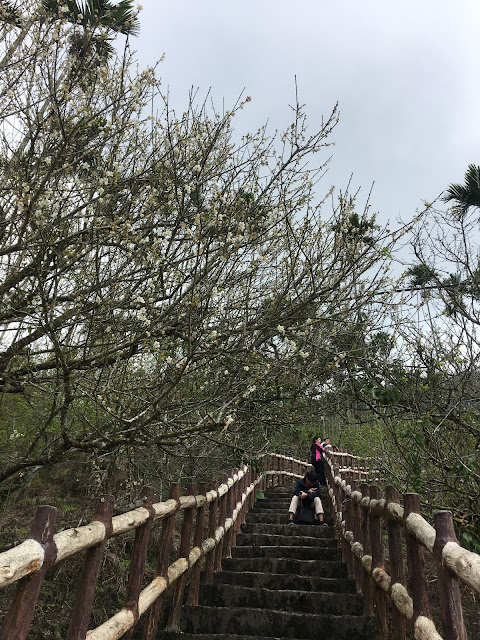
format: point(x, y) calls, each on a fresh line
point(302, 486)
point(313, 450)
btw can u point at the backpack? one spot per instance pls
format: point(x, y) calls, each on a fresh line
point(305, 514)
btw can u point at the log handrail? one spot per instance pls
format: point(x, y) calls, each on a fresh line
point(361, 513)
point(409, 595)
point(27, 563)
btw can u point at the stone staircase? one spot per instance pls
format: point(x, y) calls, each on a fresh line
point(282, 581)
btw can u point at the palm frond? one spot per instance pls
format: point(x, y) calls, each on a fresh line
point(467, 195)
point(121, 17)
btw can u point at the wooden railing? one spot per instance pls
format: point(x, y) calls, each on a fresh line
point(219, 511)
point(368, 524)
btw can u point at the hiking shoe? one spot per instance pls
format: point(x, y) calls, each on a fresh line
point(291, 522)
point(323, 524)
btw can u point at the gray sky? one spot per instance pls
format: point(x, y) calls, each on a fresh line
point(406, 76)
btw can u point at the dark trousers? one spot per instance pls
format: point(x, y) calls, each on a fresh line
point(320, 471)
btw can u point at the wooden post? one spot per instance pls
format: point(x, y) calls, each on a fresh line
point(20, 613)
point(338, 497)
point(238, 499)
point(375, 530)
point(251, 476)
point(244, 489)
point(348, 511)
point(139, 559)
point(451, 611)
point(212, 525)
point(264, 481)
point(194, 587)
point(417, 583)
point(222, 511)
point(231, 500)
point(345, 546)
point(399, 624)
point(82, 608)
point(357, 533)
point(153, 613)
point(184, 551)
point(367, 583)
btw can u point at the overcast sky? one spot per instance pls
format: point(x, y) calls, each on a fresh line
point(405, 74)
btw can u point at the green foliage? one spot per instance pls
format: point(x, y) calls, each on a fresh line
point(421, 275)
point(467, 195)
point(120, 16)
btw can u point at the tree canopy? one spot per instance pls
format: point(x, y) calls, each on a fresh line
point(160, 277)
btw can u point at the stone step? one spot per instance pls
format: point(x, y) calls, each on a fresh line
point(266, 539)
point(265, 622)
point(321, 568)
point(299, 553)
point(227, 595)
point(180, 635)
point(286, 490)
point(280, 506)
point(285, 529)
point(273, 517)
point(284, 581)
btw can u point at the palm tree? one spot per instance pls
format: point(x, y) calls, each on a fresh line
point(121, 17)
point(465, 196)
point(103, 14)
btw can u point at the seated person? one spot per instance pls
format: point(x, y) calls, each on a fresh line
point(306, 492)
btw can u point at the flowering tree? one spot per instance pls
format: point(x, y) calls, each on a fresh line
point(159, 277)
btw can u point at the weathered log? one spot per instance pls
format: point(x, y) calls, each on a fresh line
point(424, 629)
point(121, 622)
point(357, 496)
point(367, 563)
point(394, 511)
point(420, 529)
point(23, 559)
point(402, 601)
point(463, 563)
point(377, 506)
point(382, 579)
